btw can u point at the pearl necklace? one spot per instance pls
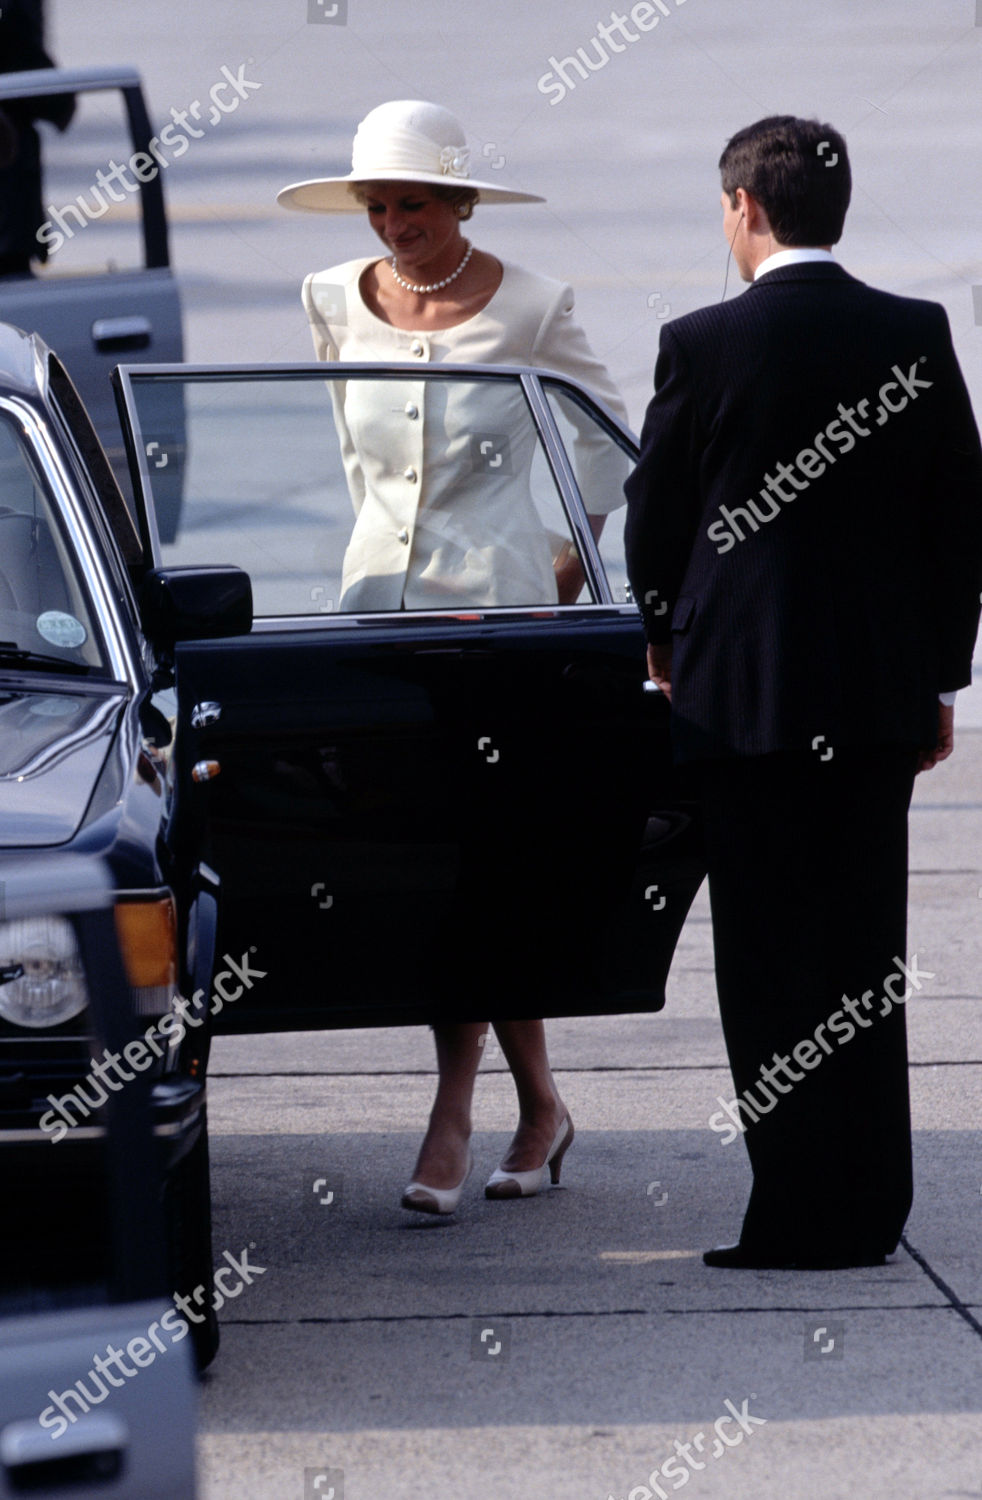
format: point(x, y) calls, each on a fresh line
point(436, 285)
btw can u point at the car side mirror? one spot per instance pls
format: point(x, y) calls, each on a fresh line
point(195, 604)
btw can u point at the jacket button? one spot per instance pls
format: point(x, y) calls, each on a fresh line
point(417, 348)
point(411, 410)
point(410, 474)
point(404, 535)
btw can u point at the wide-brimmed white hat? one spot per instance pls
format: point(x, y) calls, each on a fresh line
point(406, 140)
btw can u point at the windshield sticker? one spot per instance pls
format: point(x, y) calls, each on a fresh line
point(59, 629)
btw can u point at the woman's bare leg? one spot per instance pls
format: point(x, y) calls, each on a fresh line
point(442, 1159)
point(540, 1108)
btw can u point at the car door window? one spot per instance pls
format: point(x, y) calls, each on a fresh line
point(91, 197)
point(361, 493)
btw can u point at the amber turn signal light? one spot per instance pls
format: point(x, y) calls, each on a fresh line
point(147, 932)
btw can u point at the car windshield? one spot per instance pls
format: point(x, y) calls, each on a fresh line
point(45, 619)
point(362, 492)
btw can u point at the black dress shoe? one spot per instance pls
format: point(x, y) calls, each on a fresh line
point(746, 1258)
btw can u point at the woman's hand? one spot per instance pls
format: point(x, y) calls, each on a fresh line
point(570, 576)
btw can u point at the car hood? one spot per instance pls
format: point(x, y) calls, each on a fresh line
point(53, 745)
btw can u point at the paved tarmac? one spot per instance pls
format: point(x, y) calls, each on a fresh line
point(358, 1352)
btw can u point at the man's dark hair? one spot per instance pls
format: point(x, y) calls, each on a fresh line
point(798, 170)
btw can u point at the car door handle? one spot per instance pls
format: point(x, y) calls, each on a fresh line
point(463, 653)
point(205, 713)
point(91, 1452)
point(114, 335)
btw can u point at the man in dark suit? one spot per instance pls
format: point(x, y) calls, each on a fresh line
point(21, 211)
point(804, 538)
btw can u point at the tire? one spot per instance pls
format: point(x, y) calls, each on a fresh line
point(187, 1210)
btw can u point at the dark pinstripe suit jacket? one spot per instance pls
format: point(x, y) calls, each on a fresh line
point(805, 520)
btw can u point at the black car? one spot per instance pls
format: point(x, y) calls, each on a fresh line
point(318, 815)
point(79, 771)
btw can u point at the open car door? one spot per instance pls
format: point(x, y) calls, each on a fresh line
point(423, 806)
point(106, 291)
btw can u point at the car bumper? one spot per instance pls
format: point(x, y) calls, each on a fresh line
point(177, 1107)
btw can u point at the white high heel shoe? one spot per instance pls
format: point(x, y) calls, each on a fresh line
point(503, 1184)
point(430, 1200)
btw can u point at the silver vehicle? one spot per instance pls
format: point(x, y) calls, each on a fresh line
point(105, 294)
point(65, 1426)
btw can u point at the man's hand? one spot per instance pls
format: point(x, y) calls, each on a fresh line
point(946, 739)
point(660, 668)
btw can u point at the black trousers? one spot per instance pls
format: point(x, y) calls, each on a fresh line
point(808, 886)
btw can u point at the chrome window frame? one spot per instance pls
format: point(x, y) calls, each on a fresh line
point(121, 661)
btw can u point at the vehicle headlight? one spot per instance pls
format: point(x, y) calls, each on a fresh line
point(41, 977)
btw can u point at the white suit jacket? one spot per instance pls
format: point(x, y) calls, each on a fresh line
point(441, 521)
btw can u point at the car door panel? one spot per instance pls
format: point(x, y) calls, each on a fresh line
point(410, 830)
point(76, 316)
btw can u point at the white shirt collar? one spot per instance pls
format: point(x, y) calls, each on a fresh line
point(791, 258)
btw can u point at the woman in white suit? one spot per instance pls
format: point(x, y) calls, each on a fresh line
point(420, 540)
